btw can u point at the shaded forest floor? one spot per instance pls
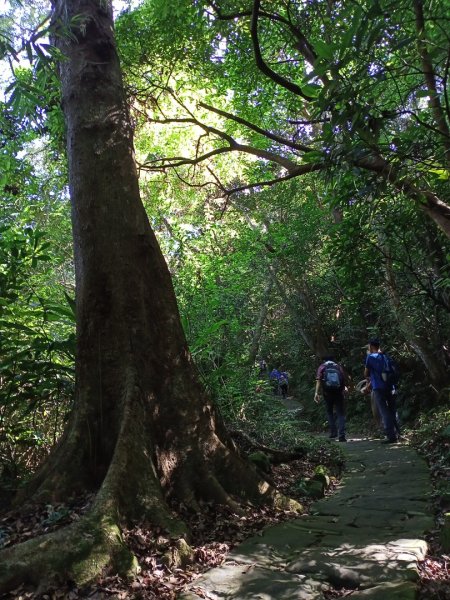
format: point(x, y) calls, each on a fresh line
point(216, 532)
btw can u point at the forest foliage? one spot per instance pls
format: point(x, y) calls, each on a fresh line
point(294, 163)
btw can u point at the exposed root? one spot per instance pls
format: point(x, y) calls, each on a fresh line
point(130, 492)
point(78, 552)
point(276, 456)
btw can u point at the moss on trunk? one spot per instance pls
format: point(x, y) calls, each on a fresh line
point(78, 552)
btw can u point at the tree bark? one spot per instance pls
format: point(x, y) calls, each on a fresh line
point(142, 433)
point(257, 332)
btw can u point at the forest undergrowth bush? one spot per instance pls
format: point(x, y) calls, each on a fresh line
point(265, 419)
point(37, 348)
point(431, 438)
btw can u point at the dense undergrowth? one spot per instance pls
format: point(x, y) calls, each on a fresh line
point(431, 437)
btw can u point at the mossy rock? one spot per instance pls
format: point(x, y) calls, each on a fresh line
point(323, 478)
point(261, 461)
point(315, 488)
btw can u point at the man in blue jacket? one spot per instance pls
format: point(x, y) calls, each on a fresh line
point(274, 377)
point(382, 390)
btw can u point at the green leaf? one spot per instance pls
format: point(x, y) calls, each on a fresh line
point(55, 311)
point(443, 174)
point(311, 89)
point(70, 302)
point(324, 50)
point(312, 157)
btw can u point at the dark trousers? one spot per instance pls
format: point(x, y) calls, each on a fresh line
point(334, 404)
point(386, 404)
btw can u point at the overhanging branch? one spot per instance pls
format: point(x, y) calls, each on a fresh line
point(301, 170)
point(159, 164)
point(253, 127)
point(302, 43)
point(438, 210)
point(262, 65)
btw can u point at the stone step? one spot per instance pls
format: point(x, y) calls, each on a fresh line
point(368, 537)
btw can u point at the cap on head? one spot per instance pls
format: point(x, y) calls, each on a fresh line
point(375, 342)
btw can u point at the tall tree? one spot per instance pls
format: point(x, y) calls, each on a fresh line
point(142, 433)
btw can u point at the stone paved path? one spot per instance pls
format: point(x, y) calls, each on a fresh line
point(365, 539)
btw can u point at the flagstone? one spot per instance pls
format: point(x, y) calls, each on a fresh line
point(367, 537)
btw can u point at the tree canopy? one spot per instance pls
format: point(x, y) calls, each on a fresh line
point(296, 88)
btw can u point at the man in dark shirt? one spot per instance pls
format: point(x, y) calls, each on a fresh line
point(330, 380)
point(382, 390)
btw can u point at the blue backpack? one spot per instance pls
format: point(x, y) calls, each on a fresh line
point(389, 372)
point(332, 376)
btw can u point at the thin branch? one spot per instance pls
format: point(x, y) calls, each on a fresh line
point(302, 170)
point(308, 122)
point(249, 125)
point(197, 186)
point(262, 66)
point(179, 161)
point(429, 76)
point(218, 183)
point(423, 123)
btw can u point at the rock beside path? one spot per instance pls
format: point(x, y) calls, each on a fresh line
point(368, 537)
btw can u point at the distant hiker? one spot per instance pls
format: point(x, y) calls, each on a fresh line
point(380, 372)
point(274, 377)
point(262, 366)
point(283, 382)
point(331, 381)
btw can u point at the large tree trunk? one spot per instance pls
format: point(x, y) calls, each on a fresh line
point(142, 431)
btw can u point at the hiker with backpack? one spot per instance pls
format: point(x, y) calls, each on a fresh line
point(330, 381)
point(283, 382)
point(279, 379)
point(274, 377)
point(382, 376)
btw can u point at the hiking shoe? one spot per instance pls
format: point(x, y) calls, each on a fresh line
point(342, 439)
point(389, 441)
